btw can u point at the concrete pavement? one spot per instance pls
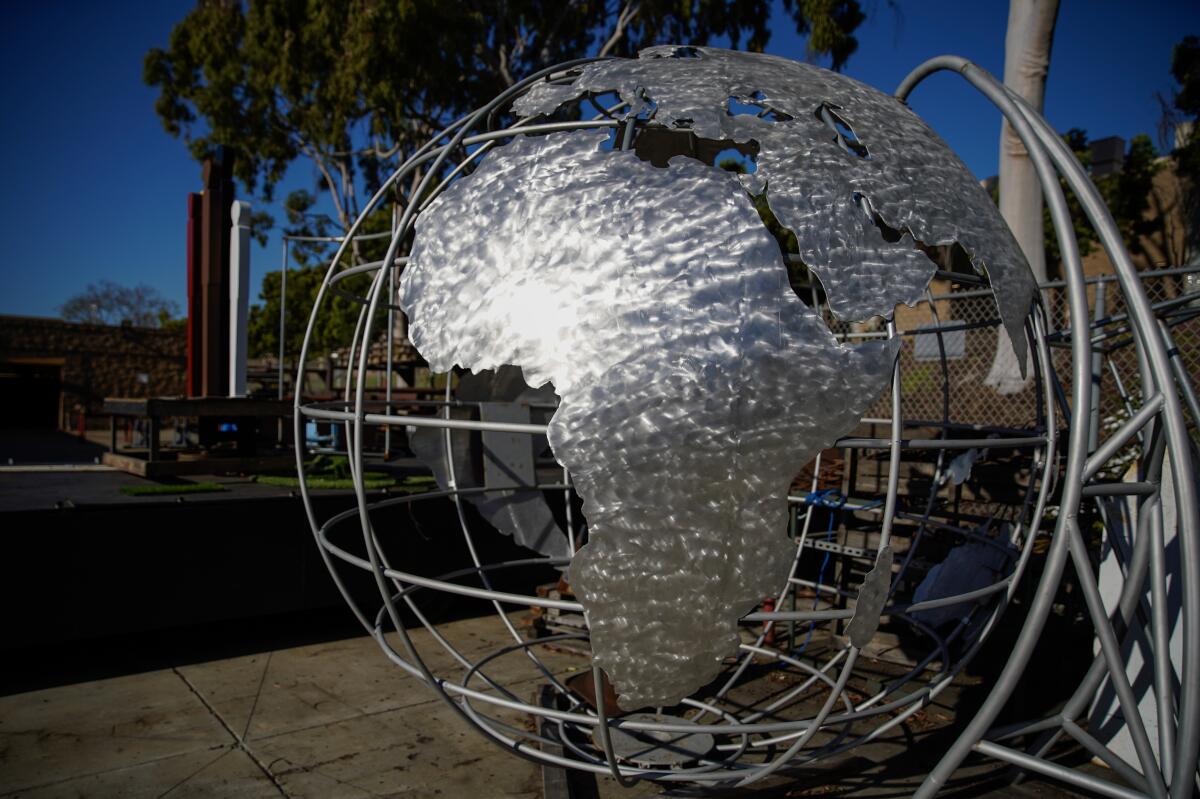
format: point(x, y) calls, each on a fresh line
point(338, 719)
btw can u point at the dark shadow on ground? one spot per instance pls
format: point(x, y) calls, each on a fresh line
point(23, 447)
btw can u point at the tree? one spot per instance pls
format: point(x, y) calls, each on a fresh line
point(336, 323)
point(1026, 62)
point(1127, 194)
point(352, 88)
point(334, 326)
point(1027, 46)
point(107, 303)
point(1182, 116)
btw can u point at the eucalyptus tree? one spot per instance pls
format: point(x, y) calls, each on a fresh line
point(352, 88)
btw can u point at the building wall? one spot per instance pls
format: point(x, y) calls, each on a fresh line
point(96, 361)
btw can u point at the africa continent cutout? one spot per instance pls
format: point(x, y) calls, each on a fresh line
point(693, 382)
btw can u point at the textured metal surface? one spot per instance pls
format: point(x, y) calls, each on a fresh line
point(901, 171)
point(871, 598)
point(694, 382)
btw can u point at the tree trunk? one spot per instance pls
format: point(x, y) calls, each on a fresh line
point(1026, 63)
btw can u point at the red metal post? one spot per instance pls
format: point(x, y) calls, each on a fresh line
point(195, 297)
point(214, 277)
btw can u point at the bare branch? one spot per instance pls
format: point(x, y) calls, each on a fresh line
point(319, 160)
point(550, 35)
point(626, 16)
point(502, 66)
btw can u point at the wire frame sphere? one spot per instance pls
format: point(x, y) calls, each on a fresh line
point(917, 514)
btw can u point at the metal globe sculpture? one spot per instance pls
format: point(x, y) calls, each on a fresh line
point(690, 337)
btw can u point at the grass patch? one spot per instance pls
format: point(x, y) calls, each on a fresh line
point(171, 488)
point(333, 472)
point(370, 480)
point(415, 484)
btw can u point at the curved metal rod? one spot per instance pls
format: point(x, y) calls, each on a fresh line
point(1077, 448)
point(452, 480)
point(935, 483)
point(893, 486)
point(562, 604)
point(359, 488)
point(816, 724)
point(1155, 363)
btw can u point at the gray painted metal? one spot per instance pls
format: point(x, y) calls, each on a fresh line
point(872, 595)
point(1175, 772)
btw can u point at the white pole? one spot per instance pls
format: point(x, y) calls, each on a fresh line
point(391, 332)
point(282, 311)
point(239, 296)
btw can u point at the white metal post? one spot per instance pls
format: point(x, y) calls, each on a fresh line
point(282, 311)
point(239, 296)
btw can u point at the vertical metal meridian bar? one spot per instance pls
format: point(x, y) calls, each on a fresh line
point(282, 311)
point(452, 484)
point(390, 352)
point(302, 360)
point(1097, 373)
point(889, 508)
point(603, 729)
point(1160, 630)
point(1181, 376)
point(1077, 441)
point(1153, 354)
point(935, 484)
point(453, 479)
point(406, 221)
point(458, 129)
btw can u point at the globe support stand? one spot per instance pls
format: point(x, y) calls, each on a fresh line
point(1161, 424)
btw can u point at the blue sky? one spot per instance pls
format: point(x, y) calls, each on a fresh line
point(94, 188)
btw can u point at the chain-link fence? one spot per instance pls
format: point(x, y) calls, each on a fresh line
point(965, 381)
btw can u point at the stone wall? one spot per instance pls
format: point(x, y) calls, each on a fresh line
point(97, 361)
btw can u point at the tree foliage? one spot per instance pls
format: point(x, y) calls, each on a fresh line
point(1126, 192)
point(107, 303)
point(339, 316)
point(1185, 68)
point(334, 326)
point(353, 87)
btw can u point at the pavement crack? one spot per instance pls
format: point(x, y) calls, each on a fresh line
point(262, 680)
point(22, 790)
point(237, 739)
point(365, 714)
point(194, 773)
